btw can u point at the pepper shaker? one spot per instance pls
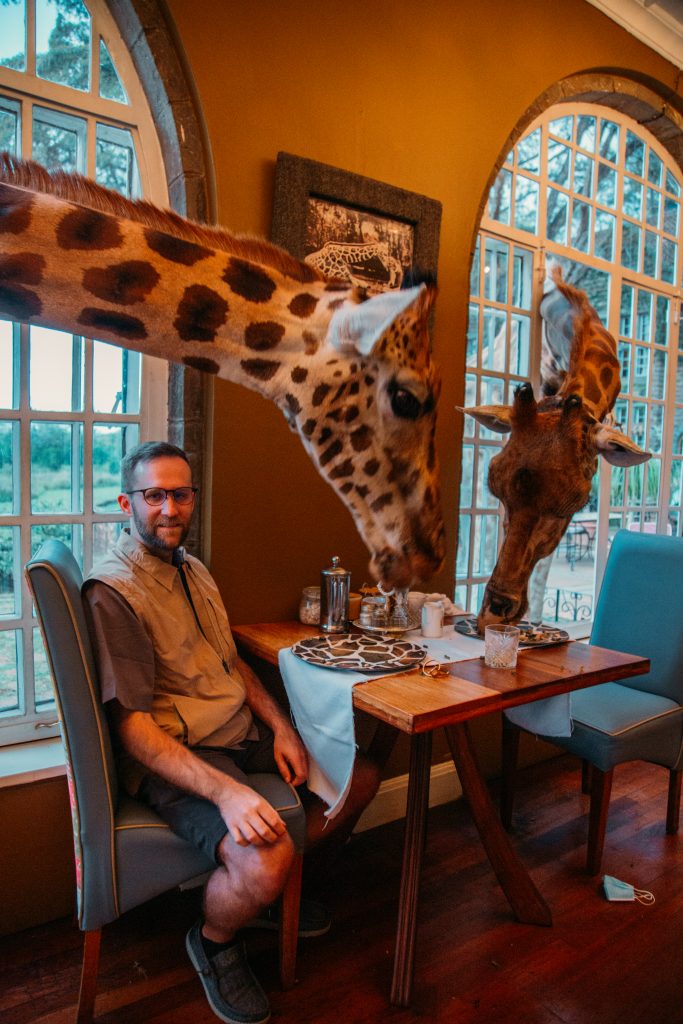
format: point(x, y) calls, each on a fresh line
point(335, 584)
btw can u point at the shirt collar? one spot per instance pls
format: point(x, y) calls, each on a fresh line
point(165, 573)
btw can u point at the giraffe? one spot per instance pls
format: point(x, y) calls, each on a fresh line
point(543, 474)
point(352, 374)
point(358, 262)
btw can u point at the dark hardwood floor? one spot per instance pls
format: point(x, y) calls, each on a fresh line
point(601, 963)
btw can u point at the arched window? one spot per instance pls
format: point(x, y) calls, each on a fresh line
point(70, 407)
point(590, 189)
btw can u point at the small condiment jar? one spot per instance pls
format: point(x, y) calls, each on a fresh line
point(309, 606)
point(335, 584)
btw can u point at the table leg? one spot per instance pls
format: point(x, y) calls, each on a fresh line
point(413, 847)
point(526, 901)
point(382, 743)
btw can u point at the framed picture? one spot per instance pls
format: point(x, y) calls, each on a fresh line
point(351, 227)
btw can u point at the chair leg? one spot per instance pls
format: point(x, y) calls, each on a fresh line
point(509, 769)
point(586, 776)
point(601, 789)
point(673, 807)
point(91, 960)
point(289, 923)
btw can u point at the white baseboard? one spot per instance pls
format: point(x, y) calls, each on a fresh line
point(390, 802)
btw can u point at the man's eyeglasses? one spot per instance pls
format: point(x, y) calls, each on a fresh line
point(156, 496)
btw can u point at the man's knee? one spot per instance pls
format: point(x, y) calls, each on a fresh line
point(262, 870)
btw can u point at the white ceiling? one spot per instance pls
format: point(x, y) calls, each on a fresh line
point(658, 23)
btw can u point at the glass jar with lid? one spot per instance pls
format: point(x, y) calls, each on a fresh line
point(309, 606)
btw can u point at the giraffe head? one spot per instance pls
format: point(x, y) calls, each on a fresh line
point(543, 474)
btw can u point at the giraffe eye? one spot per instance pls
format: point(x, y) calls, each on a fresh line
point(404, 403)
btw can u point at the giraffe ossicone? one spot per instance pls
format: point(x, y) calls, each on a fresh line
point(79, 258)
point(543, 474)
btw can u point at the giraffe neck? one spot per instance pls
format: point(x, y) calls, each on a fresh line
point(593, 368)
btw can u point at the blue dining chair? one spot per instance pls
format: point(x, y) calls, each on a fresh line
point(639, 611)
point(125, 853)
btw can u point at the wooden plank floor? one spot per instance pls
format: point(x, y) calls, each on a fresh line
point(603, 962)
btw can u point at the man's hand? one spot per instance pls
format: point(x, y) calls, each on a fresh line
point(250, 818)
point(290, 754)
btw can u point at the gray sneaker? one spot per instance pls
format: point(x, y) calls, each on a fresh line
point(233, 992)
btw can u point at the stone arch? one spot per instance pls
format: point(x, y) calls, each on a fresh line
point(157, 54)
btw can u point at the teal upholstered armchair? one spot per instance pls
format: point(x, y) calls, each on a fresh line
point(125, 854)
point(640, 611)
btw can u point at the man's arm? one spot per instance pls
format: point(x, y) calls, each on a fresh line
point(289, 751)
point(249, 817)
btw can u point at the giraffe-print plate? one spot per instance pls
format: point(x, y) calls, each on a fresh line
point(529, 635)
point(349, 652)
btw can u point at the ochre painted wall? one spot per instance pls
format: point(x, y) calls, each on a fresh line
point(422, 97)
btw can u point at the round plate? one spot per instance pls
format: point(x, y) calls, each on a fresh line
point(529, 635)
point(350, 652)
point(386, 630)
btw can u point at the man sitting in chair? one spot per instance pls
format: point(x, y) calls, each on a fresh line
point(192, 720)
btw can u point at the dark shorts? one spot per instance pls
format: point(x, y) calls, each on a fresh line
point(193, 818)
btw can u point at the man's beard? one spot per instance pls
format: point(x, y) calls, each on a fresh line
point(153, 540)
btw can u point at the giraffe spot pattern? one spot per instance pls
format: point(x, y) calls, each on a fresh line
point(260, 369)
point(293, 404)
point(352, 413)
point(591, 389)
point(344, 468)
point(361, 438)
point(362, 490)
point(263, 335)
point(201, 311)
point(345, 488)
point(303, 305)
point(379, 503)
point(310, 343)
point(248, 280)
point(325, 435)
point(88, 230)
point(309, 427)
point(123, 283)
point(200, 363)
point(17, 301)
point(371, 467)
point(330, 452)
point(176, 250)
point(15, 211)
point(299, 374)
point(120, 324)
point(302, 273)
point(606, 376)
point(320, 394)
point(337, 285)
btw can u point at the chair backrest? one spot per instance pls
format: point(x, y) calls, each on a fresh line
point(640, 608)
point(55, 582)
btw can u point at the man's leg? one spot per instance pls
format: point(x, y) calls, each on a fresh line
point(364, 785)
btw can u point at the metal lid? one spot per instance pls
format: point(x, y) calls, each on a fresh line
point(335, 569)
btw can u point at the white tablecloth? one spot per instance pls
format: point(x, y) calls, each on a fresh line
point(322, 707)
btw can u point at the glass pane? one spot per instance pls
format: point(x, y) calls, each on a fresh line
point(596, 283)
point(10, 653)
point(669, 255)
point(654, 168)
point(644, 317)
point(677, 444)
point(658, 387)
point(116, 379)
point(10, 575)
point(9, 386)
point(604, 235)
point(522, 269)
point(111, 87)
point(58, 144)
point(581, 225)
point(473, 336)
point(641, 372)
point(483, 497)
point(585, 132)
point(9, 126)
point(639, 423)
point(470, 399)
point(672, 184)
point(56, 371)
point(635, 484)
point(656, 423)
point(496, 270)
point(676, 477)
point(635, 154)
point(56, 467)
point(70, 534)
point(526, 204)
point(662, 321)
point(617, 485)
point(562, 126)
point(44, 692)
point(110, 442)
point(654, 471)
point(633, 198)
point(105, 535)
point(493, 341)
point(607, 185)
point(63, 42)
point(630, 245)
point(625, 364)
point(583, 174)
point(467, 473)
point(463, 559)
point(559, 162)
point(671, 215)
point(609, 140)
point(485, 545)
point(558, 205)
point(116, 165)
point(500, 196)
point(529, 152)
point(621, 408)
point(476, 265)
point(520, 333)
point(10, 488)
point(492, 391)
point(653, 207)
point(650, 254)
point(626, 311)
point(13, 37)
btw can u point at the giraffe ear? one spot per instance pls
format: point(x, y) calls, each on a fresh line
point(360, 326)
point(493, 417)
point(617, 448)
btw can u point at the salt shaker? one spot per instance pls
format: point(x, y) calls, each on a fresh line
point(335, 584)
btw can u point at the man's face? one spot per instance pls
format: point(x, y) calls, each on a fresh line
point(162, 528)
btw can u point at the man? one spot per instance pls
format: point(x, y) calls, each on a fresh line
point(192, 720)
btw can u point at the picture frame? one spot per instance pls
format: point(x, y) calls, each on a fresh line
point(352, 227)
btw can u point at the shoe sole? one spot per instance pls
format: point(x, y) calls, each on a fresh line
point(209, 995)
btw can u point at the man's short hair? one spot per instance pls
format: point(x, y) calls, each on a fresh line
point(147, 452)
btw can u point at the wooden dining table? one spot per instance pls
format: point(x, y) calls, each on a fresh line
point(417, 705)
